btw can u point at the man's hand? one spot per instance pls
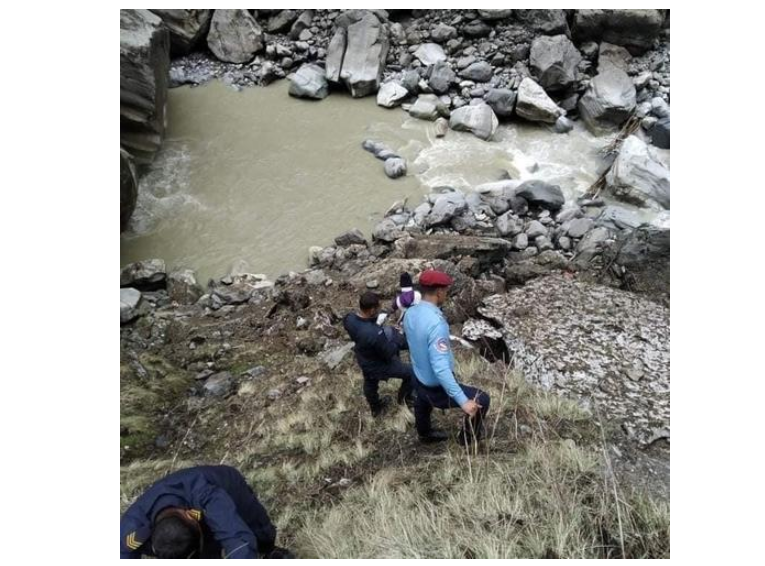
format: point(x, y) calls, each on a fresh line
point(471, 408)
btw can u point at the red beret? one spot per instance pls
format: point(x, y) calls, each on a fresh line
point(433, 278)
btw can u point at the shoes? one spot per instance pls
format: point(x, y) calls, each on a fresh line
point(380, 407)
point(433, 436)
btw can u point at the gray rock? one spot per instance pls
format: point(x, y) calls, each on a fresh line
point(144, 70)
point(608, 101)
point(410, 80)
point(618, 218)
point(443, 33)
point(333, 358)
point(534, 104)
point(317, 277)
point(441, 77)
point(569, 214)
point(591, 244)
point(579, 227)
point(186, 27)
point(549, 22)
point(634, 29)
point(613, 55)
point(356, 55)
point(273, 394)
point(535, 229)
point(301, 25)
point(282, 21)
point(387, 230)
point(476, 28)
point(147, 275)
point(492, 15)
point(426, 107)
point(235, 36)
point(442, 127)
point(309, 81)
point(543, 243)
point(129, 300)
point(659, 107)
point(660, 133)
point(563, 125)
point(507, 225)
point(219, 384)
point(638, 177)
point(183, 288)
point(395, 167)
point(564, 243)
point(128, 188)
point(521, 242)
point(351, 237)
point(391, 94)
point(480, 72)
point(502, 101)
point(554, 61)
point(446, 207)
point(477, 119)
point(430, 53)
point(542, 194)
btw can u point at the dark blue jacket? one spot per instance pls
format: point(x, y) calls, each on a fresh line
point(235, 524)
point(376, 347)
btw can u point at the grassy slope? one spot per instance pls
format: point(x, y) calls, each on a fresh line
point(340, 484)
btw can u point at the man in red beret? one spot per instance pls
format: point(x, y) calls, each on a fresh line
point(427, 333)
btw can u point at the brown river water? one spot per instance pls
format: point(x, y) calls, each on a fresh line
point(260, 176)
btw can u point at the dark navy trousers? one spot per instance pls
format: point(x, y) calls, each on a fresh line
point(394, 370)
point(429, 398)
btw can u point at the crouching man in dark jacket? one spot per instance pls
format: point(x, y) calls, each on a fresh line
point(200, 512)
point(377, 352)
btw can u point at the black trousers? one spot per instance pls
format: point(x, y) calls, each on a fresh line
point(430, 397)
point(395, 370)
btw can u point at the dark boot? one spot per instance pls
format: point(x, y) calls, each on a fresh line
point(433, 436)
point(380, 407)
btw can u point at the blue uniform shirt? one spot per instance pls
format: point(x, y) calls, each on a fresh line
point(427, 333)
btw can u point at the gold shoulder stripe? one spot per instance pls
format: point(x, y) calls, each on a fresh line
point(196, 513)
point(131, 542)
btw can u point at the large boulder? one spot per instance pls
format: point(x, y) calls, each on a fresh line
point(446, 207)
point(634, 29)
point(554, 61)
point(391, 94)
point(608, 101)
point(480, 72)
point(357, 52)
point(660, 133)
point(550, 22)
point(426, 107)
point(130, 299)
point(183, 288)
point(638, 177)
point(539, 193)
point(128, 188)
point(644, 256)
point(478, 119)
point(441, 77)
point(186, 27)
point(144, 69)
point(147, 275)
point(534, 104)
point(235, 36)
point(430, 53)
point(614, 55)
point(502, 101)
point(310, 81)
point(281, 21)
point(443, 33)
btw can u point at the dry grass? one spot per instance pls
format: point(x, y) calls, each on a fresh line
point(537, 487)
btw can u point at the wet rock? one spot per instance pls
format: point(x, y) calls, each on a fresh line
point(128, 188)
point(578, 339)
point(219, 384)
point(351, 237)
point(549, 22)
point(144, 65)
point(442, 127)
point(186, 27)
point(477, 119)
point(502, 101)
point(430, 53)
point(391, 94)
point(660, 133)
point(441, 77)
point(608, 101)
point(235, 36)
point(309, 81)
point(183, 288)
point(395, 167)
point(356, 55)
point(426, 107)
point(579, 227)
point(534, 104)
point(480, 72)
point(539, 193)
point(147, 275)
point(554, 61)
point(634, 29)
point(129, 301)
point(563, 125)
point(443, 33)
point(638, 177)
